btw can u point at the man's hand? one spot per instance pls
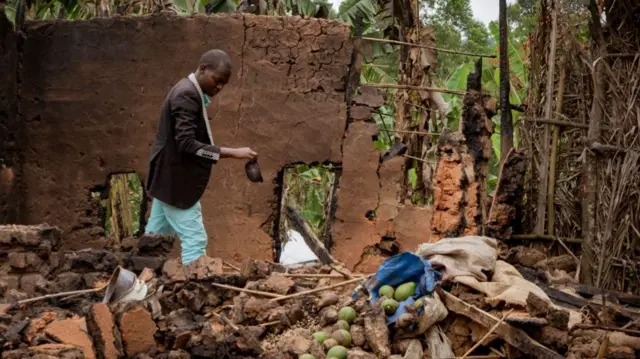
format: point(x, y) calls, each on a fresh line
point(243, 153)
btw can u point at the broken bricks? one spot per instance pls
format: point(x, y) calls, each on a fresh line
point(137, 329)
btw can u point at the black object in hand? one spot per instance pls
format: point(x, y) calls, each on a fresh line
point(253, 171)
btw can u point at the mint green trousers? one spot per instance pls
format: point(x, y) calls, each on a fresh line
point(185, 223)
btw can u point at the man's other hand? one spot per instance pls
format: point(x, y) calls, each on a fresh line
point(244, 153)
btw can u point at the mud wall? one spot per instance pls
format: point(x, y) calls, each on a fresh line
point(8, 120)
point(91, 93)
point(89, 98)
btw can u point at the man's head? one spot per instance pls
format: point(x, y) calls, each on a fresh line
point(214, 71)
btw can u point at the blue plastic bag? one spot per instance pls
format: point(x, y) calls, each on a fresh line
point(399, 269)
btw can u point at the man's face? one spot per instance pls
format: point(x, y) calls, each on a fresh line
point(213, 82)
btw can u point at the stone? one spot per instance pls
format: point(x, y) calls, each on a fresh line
point(74, 332)
point(298, 343)
point(327, 299)
point(38, 325)
point(369, 97)
point(357, 335)
point(95, 280)
point(563, 262)
point(69, 281)
point(91, 260)
point(139, 263)
point(278, 284)
point(204, 267)
point(558, 319)
point(14, 295)
point(174, 270)
point(102, 324)
point(42, 236)
point(33, 284)
point(362, 113)
point(155, 245)
point(138, 330)
point(25, 262)
point(360, 354)
point(178, 354)
point(536, 306)
point(128, 244)
point(47, 351)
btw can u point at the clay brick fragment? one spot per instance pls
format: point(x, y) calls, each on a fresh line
point(74, 332)
point(137, 329)
point(102, 324)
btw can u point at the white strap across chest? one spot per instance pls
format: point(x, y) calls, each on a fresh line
point(192, 78)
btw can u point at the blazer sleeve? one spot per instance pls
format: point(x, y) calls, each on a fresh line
point(185, 110)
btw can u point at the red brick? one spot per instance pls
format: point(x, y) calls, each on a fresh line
point(74, 332)
point(137, 329)
point(102, 327)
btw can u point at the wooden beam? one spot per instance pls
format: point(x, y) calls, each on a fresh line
point(544, 237)
point(554, 122)
point(514, 336)
point(448, 51)
point(418, 88)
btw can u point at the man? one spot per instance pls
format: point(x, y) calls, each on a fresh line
point(183, 154)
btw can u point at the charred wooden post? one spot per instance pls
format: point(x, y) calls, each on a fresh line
point(506, 122)
point(508, 195)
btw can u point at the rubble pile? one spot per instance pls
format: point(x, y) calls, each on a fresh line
point(211, 309)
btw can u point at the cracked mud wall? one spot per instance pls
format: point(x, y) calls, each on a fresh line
point(9, 156)
point(91, 94)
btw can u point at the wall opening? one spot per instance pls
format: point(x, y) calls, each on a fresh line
point(308, 190)
point(122, 205)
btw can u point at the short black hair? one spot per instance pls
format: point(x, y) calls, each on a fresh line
point(217, 61)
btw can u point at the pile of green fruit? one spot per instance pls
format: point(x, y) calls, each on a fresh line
point(337, 343)
point(391, 297)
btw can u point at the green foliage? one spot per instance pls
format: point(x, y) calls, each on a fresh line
point(309, 188)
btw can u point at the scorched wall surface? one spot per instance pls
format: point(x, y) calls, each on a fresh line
point(91, 93)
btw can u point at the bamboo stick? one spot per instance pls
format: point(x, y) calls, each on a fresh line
point(493, 328)
point(419, 88)
point(312, 291)
point(61, 294)
point(319, 275)
point(448, 51)
point(544, 166)
point(231, 266)
point(555, 122)
point(544, 237)
point(256, 292)
point(551, 208)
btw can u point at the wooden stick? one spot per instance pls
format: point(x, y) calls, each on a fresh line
point(448, 51)
point(231, 266)
point(605, 327)
point(604, 347)
point(319, 275)
point(256, 292)
point(543, 171)
point(250, 338)
point(544, 237)
point(493, 328)
point(268, 324)
point(551, 192)
point(561, 242)
point(312, 291)
point(61, 294)
point(555, 122)
point(514, 336)
point(419, 88)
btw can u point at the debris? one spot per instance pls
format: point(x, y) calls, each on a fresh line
point(73, 332)
point(138, 329)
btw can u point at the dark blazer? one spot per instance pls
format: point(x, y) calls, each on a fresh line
point(182, 154)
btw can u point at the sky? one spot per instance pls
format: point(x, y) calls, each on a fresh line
point(483, 10)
